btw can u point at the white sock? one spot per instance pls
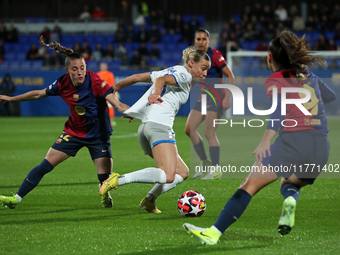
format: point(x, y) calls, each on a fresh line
point(159, 189)
point(216, 229)
point(19, 198)
point(146, 175)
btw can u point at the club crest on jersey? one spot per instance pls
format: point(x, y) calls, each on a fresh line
point(75, 97)
point(184, 78)
point(103, 84)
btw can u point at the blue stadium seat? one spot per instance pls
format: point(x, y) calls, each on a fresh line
point(5, 65)
point(24, 38)
point(330, 34)
point(172, 62)
point(166, 55)
point(186, 18)
point(152, 62)
point(33, 39)
point(16, 47)
point(100, 38)
point(93, 66)
point(15, 64)
point(114, 64)
point(36, 64)
point(21, 55)
point(245, 45)
point(25, 64)
point(312, 35)
point(166, 38)
point(176, 37)
point(237, 18)
point(182, 45)
point(161, 46)
point(109, 37)
point(10, 56)
point(172, 47)
point(201, 19)
point(8, 47)
point(78, 38)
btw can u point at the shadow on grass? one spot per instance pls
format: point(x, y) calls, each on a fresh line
point(61, 218)
point(54, 184)
point(198, 249)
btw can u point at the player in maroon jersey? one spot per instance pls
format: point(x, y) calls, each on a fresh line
point(89, 124)
point(297, 146)
point(214, 110)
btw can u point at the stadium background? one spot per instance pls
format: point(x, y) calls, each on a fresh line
point(30, 19)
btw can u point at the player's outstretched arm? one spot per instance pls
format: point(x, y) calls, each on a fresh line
point(113, 100)
point(141, 77)
point(31, 95)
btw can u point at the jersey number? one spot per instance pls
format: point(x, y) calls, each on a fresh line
point(312, 105)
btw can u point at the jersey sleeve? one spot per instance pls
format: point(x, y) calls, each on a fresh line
point(53, 89)
point(327, 94)
point(154, 75)
point(100, 87)
point(218, 60)
point(183, 79)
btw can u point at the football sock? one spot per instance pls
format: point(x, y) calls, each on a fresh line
point(216, 229)
point(233, 209)
point(19, 198)
point(199, 148)
point(290, 189)
point(159, 189)
point(146, 175)
point(102, 177)
point(34, 177)
point(214, 152)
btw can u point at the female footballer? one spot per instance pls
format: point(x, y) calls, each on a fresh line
point(301, 142)
point(155, 134)
point(89, 124)
point(214, 111)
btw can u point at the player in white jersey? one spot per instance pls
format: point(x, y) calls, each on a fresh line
point(155, 133)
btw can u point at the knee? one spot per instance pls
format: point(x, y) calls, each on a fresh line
point(209, 134)
point(187, 130)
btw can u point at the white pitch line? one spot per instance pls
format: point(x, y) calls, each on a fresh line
point(124, 136)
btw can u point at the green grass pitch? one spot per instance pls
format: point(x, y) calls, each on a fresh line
point(63, 214)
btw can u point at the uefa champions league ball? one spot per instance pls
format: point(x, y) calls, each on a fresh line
point(191, 204)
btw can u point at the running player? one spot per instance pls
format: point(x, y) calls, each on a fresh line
point(89, 124)
point(304, 142)
point(155, 134)
point(109, 77)
point(214, 111)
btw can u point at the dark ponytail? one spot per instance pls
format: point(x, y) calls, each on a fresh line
point(69, 53)
point(290, 51)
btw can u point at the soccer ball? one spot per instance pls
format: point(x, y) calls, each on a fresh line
point(191, 204)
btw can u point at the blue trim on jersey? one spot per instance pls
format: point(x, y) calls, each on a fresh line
point(175, 79)
point(163, 141)
point(108, 92)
